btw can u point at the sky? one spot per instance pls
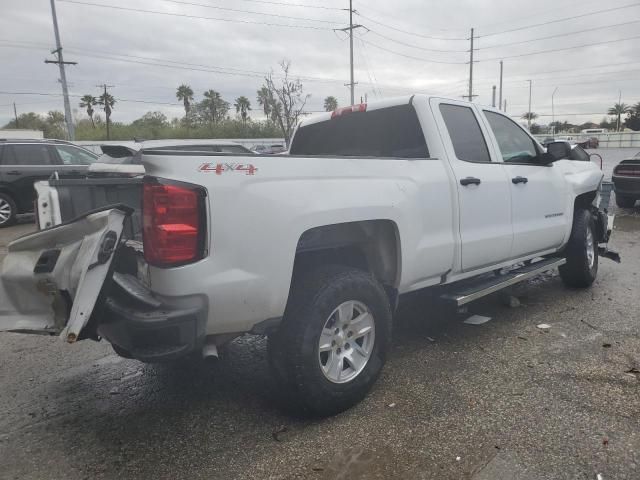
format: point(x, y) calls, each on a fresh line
point(402, 47)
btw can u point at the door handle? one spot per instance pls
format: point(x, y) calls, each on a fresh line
point(469, 181)
point(14, 172)
point(518, 180)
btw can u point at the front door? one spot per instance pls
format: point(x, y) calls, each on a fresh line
point(538, 192)
point(483, 190)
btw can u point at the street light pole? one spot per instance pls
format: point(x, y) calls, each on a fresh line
point(529, 113)
point(553, 112)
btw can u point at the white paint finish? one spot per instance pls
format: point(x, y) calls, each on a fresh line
point(28, 301)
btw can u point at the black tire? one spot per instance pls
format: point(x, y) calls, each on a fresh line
point(625, 202)
point(294, 353)
point(579, 271)
point(8, 211)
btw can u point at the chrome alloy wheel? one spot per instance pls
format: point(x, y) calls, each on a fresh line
point(591, 252)
point(5, 211)
point(346, 342)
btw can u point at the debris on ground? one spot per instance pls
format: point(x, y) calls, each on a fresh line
point(476, 320)
point(634, 371)
point(543, 326)
point(510, 301)
point(458, 458)
point(277, 433)
point(114, 391)
point(606, 345)
point(392, 405)
point(431, 339)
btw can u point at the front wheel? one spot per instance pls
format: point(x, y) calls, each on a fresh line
point(331, 345)
point(8, 210)
point(581, 252)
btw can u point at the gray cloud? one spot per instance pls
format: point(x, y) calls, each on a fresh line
point(93, 35)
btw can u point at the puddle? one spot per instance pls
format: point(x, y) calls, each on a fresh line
point(357, 463)
point(626, 223)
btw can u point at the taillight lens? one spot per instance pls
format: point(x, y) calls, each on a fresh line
point(173, 223)
point(628, 170)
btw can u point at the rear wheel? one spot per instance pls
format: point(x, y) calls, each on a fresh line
point(331, 345)
point(625, 202)
point(581, 252)
point(8, 210)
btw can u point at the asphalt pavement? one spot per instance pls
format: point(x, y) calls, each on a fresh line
point(502, 400)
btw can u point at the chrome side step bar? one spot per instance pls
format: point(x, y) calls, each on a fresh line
point(469, 290)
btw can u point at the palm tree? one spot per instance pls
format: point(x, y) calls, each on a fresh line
point(213, 102)
point(243, 105)
point(330, 103)
point(618, 110)
point(264, 100)
point(107, 102)
point(88, 101)
point(185, 93)
point(529, 116)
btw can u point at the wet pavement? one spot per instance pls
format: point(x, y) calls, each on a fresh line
point(502, 400)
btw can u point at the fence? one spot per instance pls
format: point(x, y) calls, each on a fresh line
point(607, 140)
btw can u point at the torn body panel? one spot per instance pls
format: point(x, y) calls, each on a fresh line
point(50, 280)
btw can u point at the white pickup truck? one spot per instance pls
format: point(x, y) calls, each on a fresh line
point(312, 248)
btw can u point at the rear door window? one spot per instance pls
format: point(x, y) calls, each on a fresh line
point(387, 132)
point(74, 156)
point(464, 130)
point(34, 154)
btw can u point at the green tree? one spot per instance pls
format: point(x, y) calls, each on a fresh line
point(107, 102)
point(243, 105)
point(618, 110)
point(214, 108)
point(265, 100)
point(89, 101)
point(633, 118)
point(529, 116)
point(330, 103)
point(185, 93)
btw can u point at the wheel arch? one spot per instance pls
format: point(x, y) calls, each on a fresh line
point(371, 245)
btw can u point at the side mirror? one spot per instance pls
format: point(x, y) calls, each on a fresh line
point(556, 151)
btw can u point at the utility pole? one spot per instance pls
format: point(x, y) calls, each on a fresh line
point(107, 107)
point(553, 112)
point(63, 77)
point(500, 94)
point(352, 84)
point(529, 114)
point(470, 96)
point(505, 106)
point(493, 97)
point(619, 102)
point(15, 114)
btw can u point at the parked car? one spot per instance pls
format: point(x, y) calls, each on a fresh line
point(626, 182)
point(269, 149)
point(312, 249)
point(590, 142)
point(23, 162)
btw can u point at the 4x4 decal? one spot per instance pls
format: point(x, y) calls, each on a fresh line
point(220, 168)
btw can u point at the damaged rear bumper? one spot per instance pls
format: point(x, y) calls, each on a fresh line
point(148, 328)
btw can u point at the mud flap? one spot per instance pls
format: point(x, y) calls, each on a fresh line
point(50, 280)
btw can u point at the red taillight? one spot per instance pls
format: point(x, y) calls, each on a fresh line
point(339, 112)
point(172, 224)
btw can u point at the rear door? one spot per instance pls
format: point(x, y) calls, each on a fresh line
point(73, 162)
point(50, 280)
point(482, 186)
point(538, 192)
point(22, 165)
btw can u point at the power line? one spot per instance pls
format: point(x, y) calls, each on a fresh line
point(560, 49)
point(560, 35)
point(413, 46)
point(412, 57)
point(387, 15)
point(293, 4)
point(558, 20)
point(198, 17)
point(215, 7)
point(405, 31)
